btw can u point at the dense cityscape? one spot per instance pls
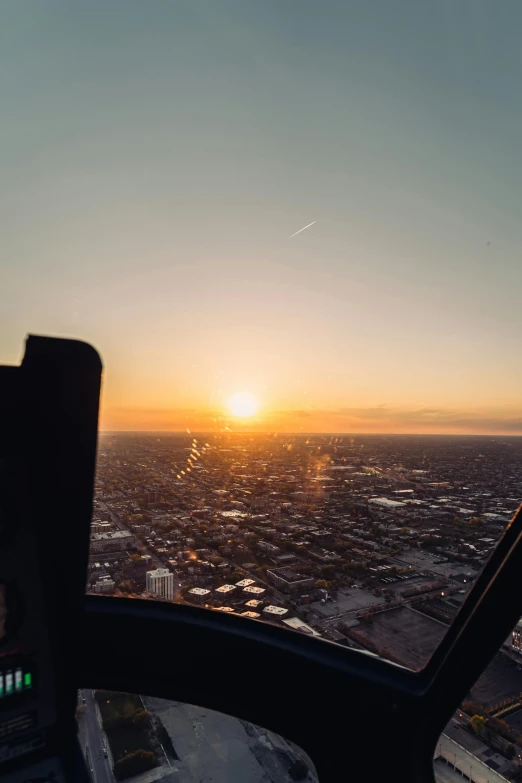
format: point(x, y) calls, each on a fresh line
point(372, 542)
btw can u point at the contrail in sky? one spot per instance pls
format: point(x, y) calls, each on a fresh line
point(302, 229)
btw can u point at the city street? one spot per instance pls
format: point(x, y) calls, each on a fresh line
point(113, 517)
point(90, 735)
point(155, 560)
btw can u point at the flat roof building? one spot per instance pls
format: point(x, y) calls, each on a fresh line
point(386, 505)
point(198, 593)
point(275, 611)
point(111, 542)
point(254, 590)
point(104, 586)
point(288, 580)
point(266, 546)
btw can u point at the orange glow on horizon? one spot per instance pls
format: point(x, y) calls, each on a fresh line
point(374, 420)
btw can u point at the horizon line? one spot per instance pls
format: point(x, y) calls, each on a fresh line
point(325, 432)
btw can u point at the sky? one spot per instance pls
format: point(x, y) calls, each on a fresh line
point(157, 157)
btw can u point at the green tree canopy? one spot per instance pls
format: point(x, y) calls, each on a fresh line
point(477, 723)
point(141, 719)
point(134, 763)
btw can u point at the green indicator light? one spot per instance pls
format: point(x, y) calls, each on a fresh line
point(27, 679)
point(9, 683)
point(1, 685)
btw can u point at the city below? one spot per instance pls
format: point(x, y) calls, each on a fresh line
point(372, 542)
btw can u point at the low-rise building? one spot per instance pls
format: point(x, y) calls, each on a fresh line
point(225, 589)
point(198, 594)
point(275, 611)
point(100, 527)
point(112, 542)
point(254, 590)
point(384, 504)
point(288, 580)
point(268, 548)
point(323, 555)
point(104, 586)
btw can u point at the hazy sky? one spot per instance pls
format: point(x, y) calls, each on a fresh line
point(156, 157)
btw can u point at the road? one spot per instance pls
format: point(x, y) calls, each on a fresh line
point(114, 517)
point(156, 561)
point(90, 734)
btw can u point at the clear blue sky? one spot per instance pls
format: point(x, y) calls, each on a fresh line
point(156, 157)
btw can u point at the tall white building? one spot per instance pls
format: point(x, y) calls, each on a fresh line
point(161, 583)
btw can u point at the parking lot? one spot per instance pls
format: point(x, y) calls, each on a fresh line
point(349, 599)
point(409, 635)
point(502, 678)
point(422, 561)
point(400, 586)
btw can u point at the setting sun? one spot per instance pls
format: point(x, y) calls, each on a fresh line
point(243, 404)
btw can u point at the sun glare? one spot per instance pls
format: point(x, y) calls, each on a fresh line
point(243, 404)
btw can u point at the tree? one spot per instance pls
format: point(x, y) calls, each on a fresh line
point(476, 724)
point(501, 727)
point(135, 559)
point(473, 707)
point(134, 763)
point(510, 750)
point(321, 584)
point(141, 719)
